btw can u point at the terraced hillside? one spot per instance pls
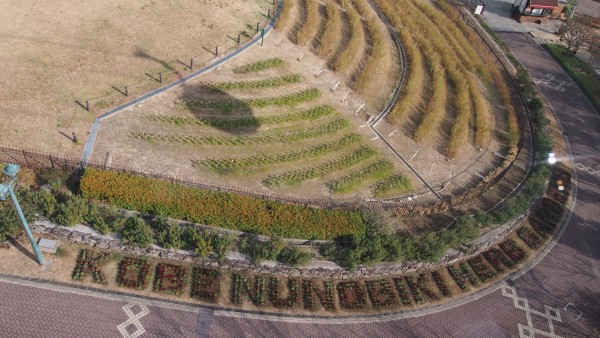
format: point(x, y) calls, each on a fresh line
point(265, 125)
point(292, 117)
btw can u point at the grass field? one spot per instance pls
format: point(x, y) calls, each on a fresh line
point(55, 53)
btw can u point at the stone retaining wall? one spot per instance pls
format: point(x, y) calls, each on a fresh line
point(245, 265)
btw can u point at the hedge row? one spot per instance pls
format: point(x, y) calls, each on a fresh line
point(218, 209)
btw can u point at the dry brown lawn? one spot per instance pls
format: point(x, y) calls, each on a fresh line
point(54, 53)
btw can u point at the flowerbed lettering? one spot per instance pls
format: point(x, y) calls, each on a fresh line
point(205, 284)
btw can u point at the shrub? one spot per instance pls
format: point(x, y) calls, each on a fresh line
point(294, 256)
point(95, 218)
point(221, 244)
point(54, 178)
point(137, 233)
point(203, 246)
point(170, 236)
point(263, 250)
point(45, 202)
point(10, 225)
point(190, 237)
point(114, 219)
point(71, 210)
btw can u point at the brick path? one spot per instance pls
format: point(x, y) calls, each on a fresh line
point(34, 312)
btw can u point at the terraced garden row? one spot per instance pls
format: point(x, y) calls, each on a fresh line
point(346, 34)
point(273, 130)
point(451, 85)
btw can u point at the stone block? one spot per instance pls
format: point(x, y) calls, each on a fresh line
point(48, 245)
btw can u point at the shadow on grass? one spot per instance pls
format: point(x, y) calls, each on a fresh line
point(219, 109)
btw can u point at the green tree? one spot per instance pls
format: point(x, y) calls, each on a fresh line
point(221, 244)
point(95, 218)
point(70, 211)
point(294, 256)
point(203, 246)
point(170, 237)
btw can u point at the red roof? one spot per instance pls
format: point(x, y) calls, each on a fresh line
point(544, 3)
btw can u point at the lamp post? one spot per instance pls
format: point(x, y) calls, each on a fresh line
point(11, 171)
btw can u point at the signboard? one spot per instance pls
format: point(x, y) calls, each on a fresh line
point(478, 9)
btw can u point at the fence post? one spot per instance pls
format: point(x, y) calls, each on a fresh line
point(126, 91)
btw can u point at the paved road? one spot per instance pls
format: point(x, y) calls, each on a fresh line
point(538, 305)
point(588, 7)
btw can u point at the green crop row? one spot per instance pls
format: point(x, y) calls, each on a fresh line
point(396, 183)
point(279, 137)
point(308, 114)
point(297, 176)
point(258, 84)
point(229, 164)
point(219, 209)
point(230, 105)
point(259, 66)
point(375, 170)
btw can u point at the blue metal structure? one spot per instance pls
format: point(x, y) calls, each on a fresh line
point(11, 171)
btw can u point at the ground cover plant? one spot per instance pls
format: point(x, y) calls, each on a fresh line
point(275, 136)
point(313, 113)
point(224, 210)
point(353, 48)
point(330, 39)
point(292, 99)
point(259, 66)
point(298, 176)
point(311, 25)
point(231, 164)
point(372, 171)
point(257, 84)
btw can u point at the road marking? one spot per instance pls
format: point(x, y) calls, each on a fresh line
point(551, 81)
point(589, 170)
point(133, 320)
point(527, 331)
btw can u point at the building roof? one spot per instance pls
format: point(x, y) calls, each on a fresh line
point(544, 3)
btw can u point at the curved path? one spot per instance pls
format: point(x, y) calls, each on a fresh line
point(559, 297)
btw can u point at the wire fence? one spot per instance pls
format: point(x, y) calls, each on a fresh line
point(524, 154)
point(37, 160)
